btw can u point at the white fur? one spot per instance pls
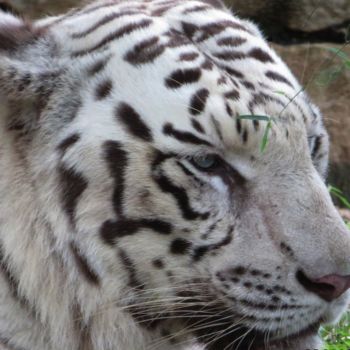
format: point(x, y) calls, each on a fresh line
point(285, 200)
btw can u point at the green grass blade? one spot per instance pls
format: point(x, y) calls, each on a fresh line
point(265, 138)
point(336, 192)
point(255, 117)
point(333, 189)
point(327, 76)
point(339, 53)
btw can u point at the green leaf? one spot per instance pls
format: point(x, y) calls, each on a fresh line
point(344, 201)
point(283, 94)
point(265, 118)
point(255, 117)
point(336, 192)
point(265, 138)
point(339, 53)
point(333, 189)
point(326, 76)
point(279, 92)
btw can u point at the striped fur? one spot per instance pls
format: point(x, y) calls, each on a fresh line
point(136, 208)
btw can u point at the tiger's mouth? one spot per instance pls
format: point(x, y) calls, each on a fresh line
point(214, 326)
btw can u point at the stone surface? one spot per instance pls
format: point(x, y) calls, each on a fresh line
point(311, 15)
point(345, 213)
point(306, 15)
point(328, 83)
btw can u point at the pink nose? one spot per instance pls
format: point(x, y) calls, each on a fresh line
point(328, 287)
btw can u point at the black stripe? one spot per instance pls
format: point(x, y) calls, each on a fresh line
point(188, 56)
point(112, 230)
point(86, 11)
point(189, 29)
point(145, 52)
point(181, 197)
point(84, 266)
point(198, 101)
point(278, 77)
point(73, 184)
point(117, 162)
point(98, 66)
point(231, 41)
point(238, 126)
point(198, 8)
point(133, 122)
point(317, 145)
point(184, 136)
point(229, 109)
point(129, 266)
point(103, 90)
point(188, 172)
point(260, 55)
point(180, 246)
point(128, 29)
point(102, 22)
point(183, 76)
point(232, 72)
point(217, 127)
point(232, 95)
point(68, 142)
point(197, 126)
point(161, 10)
point(212, 29)
point(11, 280)
point(262, 99)
point(229, 55)
point(201, 251)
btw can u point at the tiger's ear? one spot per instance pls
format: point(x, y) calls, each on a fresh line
point(14, 31)
point(7, 8)
point(23, 74)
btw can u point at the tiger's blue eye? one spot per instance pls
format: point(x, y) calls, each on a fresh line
point(205, 162)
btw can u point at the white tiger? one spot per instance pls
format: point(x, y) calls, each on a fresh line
point(137, 210)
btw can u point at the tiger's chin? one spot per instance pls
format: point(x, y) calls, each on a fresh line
point(310, 341)
point(248, 339)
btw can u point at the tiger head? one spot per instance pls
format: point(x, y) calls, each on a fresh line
point(163, 169)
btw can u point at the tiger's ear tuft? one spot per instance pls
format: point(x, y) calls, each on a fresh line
point(7, 8)
point(14, 30)
point(23, 75)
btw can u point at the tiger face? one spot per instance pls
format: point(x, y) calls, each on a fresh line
point(133, 151)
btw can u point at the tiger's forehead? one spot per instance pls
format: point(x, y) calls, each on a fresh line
point(182, 69)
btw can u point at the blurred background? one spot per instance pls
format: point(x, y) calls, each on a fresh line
point(304, 32)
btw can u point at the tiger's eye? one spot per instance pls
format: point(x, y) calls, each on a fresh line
point(205, 162)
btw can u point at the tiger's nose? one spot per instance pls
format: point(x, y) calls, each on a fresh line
point(328, 287)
